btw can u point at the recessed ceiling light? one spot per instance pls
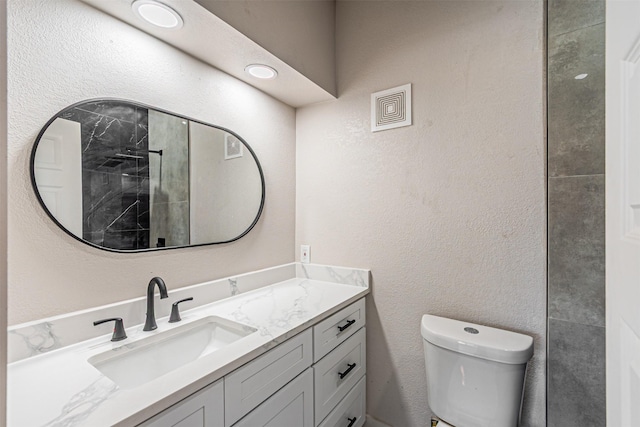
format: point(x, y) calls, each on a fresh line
point(261, 71)
point(581, 76)
point(157, 14)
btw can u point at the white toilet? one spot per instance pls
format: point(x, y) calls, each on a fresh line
point(475, 374)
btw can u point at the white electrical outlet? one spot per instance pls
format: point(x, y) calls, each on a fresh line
point(304, 254)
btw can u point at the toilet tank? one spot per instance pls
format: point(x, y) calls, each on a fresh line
point(475, 374)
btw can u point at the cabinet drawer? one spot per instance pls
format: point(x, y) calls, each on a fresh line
point(338, 372)
point(351, 411)
point(337, 328)
point(202, 409)
point(248, 386)
point(291, 406)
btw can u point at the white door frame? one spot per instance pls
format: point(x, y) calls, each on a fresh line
point(623, 212)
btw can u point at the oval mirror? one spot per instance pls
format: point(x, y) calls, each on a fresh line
point(123, 176)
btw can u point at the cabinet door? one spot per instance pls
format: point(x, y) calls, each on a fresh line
point(204, 408)
point(291, 406)
point(251, 384)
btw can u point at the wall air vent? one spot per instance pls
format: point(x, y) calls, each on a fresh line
point(391, 108)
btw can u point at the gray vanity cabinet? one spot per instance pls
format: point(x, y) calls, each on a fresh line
point(292, 405)
point(316, 378)
point(337, 328)
point(340, 367)
point(351, 411)
point(252, 384)
point(337, 373)
point(204, 408)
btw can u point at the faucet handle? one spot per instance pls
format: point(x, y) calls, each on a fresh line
point(175, 312)
point(118, 331)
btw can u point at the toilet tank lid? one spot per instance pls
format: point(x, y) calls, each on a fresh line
point(477, 340)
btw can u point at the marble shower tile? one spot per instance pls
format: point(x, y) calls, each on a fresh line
point(114, 134)
point(577, 249)
point(118, 110)
point(101, 200)
point(142, 128)
point(576, 376)
point(120, 239)
point(576, 107)
point(115, 172)
point(570, 15)
point(144, 216)
point(143, 241)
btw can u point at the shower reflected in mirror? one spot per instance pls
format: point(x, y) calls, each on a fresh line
point(123, 176)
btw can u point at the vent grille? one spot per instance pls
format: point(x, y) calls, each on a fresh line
point(391, 108)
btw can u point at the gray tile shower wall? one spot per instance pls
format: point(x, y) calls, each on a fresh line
point(576, 106)
point(566, 16)
point(576, 251)
point(169, 179)
point(576, 375)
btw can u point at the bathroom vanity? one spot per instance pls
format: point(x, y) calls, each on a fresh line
point(286, 353)
point(296, 383)
point(284, 346)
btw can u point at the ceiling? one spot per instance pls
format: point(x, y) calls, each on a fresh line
point(210, 39)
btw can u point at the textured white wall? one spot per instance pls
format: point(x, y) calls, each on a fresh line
point(449, 213)
point(3, 208)
point(64, 51)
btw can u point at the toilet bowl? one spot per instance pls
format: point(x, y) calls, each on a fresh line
point(475, 373)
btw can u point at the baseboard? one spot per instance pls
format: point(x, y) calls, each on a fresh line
point(372, 422)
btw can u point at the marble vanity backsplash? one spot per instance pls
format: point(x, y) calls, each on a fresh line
point(42, 336)
point(325, 273)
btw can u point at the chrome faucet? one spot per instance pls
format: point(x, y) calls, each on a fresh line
point(150, 323)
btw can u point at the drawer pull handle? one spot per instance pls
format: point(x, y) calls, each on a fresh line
point(345, 373)
point(352, 421)
point(349, 323)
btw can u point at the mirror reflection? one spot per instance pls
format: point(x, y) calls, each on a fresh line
point(126, 177)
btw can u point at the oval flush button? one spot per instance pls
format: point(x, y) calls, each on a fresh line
point(471, 330)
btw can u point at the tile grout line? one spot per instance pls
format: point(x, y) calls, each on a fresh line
point(577, 176)
point(577, 29)
point(577, 323)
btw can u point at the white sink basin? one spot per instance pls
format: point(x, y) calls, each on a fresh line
point(134, 364)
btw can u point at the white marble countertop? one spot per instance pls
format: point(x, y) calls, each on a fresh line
point(60, 388)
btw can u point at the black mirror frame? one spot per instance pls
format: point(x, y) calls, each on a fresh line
point(138, 104)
